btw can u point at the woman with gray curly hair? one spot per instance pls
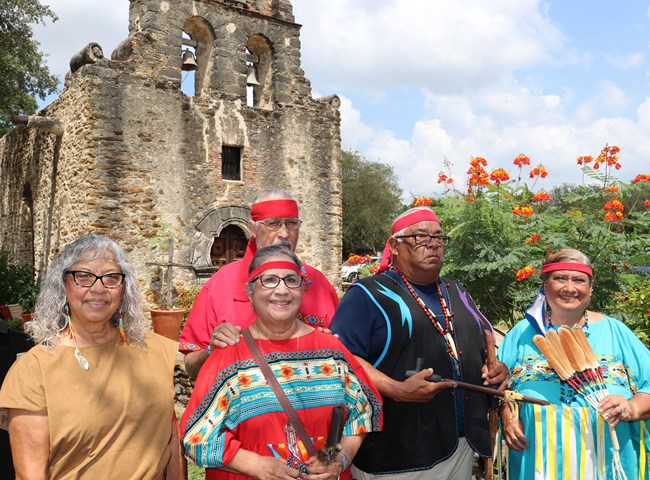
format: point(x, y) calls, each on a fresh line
point(88, 399)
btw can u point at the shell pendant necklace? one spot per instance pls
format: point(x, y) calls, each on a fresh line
point(83, 363)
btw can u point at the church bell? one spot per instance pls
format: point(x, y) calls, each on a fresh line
point(188, 64)
point(251, 76)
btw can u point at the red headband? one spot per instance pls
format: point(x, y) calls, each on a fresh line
point(573, 266)
point(424, 215)
point(418, 216)
point(275, 264)
point(284, 208)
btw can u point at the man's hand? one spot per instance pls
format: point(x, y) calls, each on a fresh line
point(418, 389)
point(499, 375)
point(225, 334)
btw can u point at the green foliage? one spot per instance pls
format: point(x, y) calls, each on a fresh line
point(23, 72)
point(634, 307)
point(14, 278)
point(371, 200)
point(499, 228)
point(28, 295)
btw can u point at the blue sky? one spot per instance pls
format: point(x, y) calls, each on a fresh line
point(425, 80)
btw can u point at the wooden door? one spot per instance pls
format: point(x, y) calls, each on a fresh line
point(228, 247)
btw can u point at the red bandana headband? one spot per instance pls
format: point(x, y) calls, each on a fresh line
point(271, 265)
point(424, 215)
point(572, 266)
point(284, 208)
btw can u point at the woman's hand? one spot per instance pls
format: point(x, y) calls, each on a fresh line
point(325, 472)
point(260, 467)
point(513, 430)
point(616, 409)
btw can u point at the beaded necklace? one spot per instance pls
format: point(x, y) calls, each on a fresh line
point(584, 327)
point(448, 331)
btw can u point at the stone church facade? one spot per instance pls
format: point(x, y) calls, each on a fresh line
point(138, 141)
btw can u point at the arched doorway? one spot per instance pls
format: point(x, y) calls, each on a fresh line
point(229, 246)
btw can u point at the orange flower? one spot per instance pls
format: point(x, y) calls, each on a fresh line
point(584, 160)
point(532, 239)
point(521, 160)
point(470, 199)
point(422, 202)
point(476, 161)
point(642, 177)
point(442, 178)
point(613, 189)
point(478, 177)
point(524, 211)
point(646, 203)
point(524, 273)
point(499, 175)
point(541, 197)
point(614, 205)
point(538, 171)
point(609, 156)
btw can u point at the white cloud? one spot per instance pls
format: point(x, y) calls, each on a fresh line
point(631, 60)
point(79, 24)
point(446, 46)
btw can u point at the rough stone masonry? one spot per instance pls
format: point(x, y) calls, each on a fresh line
point(139, 140)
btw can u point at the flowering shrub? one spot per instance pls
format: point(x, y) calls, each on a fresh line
point(422, 202)
point(501, 228)
point(355, 259)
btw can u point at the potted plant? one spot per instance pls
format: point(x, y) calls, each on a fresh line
point(168, 318)
point(13, 277)
point(27, 299)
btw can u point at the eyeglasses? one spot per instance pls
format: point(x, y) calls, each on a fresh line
point(87, 279)
point(424, 239)
point(272, 281)
point(275, 224)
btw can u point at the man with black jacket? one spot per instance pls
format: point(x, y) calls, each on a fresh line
point(408, 315)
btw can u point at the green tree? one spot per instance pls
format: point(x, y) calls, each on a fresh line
point(371, 200)
point(23, 72)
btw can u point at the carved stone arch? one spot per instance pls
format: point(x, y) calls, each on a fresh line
point(201, 32)
point(262, 48)
point(211, 226)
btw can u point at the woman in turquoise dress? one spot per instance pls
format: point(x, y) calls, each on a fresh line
point(569, 439)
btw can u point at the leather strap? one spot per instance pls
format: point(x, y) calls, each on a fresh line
point(279, 393)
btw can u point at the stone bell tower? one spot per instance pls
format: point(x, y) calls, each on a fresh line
point(204, 105)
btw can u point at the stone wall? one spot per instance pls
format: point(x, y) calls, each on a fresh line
point(136, 151)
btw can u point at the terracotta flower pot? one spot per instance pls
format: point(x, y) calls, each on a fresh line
point(26, 316)
point(167, 322)
point(5, 312)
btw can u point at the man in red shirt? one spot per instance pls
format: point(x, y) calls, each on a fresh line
point(222, 308)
